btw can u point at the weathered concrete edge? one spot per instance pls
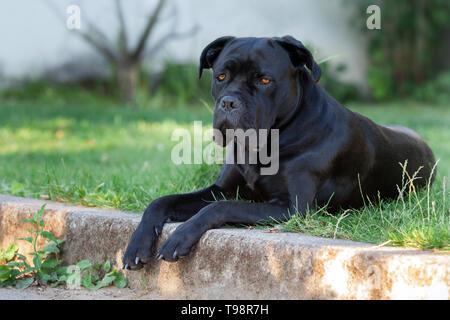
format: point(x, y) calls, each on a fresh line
point(238, 263)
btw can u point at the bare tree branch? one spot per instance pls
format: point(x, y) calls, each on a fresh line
point(94, 36)
point(127, 60)
point(55, 10)
point(173, 14)
point(172, 35)
point(123, 39)
point(149, 27)
point(97, 44)
point(92, 26)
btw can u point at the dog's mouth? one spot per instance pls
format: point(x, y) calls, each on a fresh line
point(250, 139)
point(220, 134)
point(240, 125)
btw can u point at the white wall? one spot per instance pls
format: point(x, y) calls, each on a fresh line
point(34, 38)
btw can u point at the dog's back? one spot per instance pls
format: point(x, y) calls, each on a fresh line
point(400, 154)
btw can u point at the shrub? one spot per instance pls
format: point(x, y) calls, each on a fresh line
point(436, 90)
point(340, 90)
point(407, 52)
point(178, 83)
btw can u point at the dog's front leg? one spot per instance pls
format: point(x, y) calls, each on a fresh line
point(179, 207)
point(214, 215)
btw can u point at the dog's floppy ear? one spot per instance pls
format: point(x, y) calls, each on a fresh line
point(210, 53)
point(300, 55)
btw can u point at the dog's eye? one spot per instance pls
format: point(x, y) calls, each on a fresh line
point(264, 80)
point(221, 77)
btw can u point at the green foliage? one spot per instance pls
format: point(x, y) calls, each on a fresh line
point(46, 268)
point(43, 91)
point(8, 254)
point(179, 83)
point(17, 189)
point(17, 271)
point(89, 276)
point(436, 90)
point(331, 80)
point(407, 52)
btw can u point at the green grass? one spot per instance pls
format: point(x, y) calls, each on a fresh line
point(94, 152)
point(96, 155)
point(418, 219)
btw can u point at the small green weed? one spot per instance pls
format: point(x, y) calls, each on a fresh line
point(46, 268)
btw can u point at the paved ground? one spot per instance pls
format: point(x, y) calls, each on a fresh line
point(47, 293)
point(230, 263)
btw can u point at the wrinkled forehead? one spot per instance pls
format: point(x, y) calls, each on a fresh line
point(253, 53)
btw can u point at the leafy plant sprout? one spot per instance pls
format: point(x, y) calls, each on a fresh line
point(46, 268)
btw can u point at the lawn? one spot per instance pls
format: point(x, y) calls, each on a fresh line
point(97, 153)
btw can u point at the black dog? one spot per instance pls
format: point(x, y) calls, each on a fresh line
point(327, 153)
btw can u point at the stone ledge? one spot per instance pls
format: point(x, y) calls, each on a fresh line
point(238, 263)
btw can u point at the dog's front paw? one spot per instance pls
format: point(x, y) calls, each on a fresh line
point(179, 244)
point(140, 248)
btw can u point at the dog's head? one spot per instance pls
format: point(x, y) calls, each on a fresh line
point(255, 80)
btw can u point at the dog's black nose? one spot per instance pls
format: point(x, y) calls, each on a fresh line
point(229, 103)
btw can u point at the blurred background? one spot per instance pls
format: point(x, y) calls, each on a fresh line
point(87, 113)
point(147, 42)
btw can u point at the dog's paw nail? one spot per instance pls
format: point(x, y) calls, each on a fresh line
point(125, 266)
point(159, 256)
point(175, 255)
point(136, 262)
point(157, 232)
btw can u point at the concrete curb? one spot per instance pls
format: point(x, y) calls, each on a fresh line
point(237, 263)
